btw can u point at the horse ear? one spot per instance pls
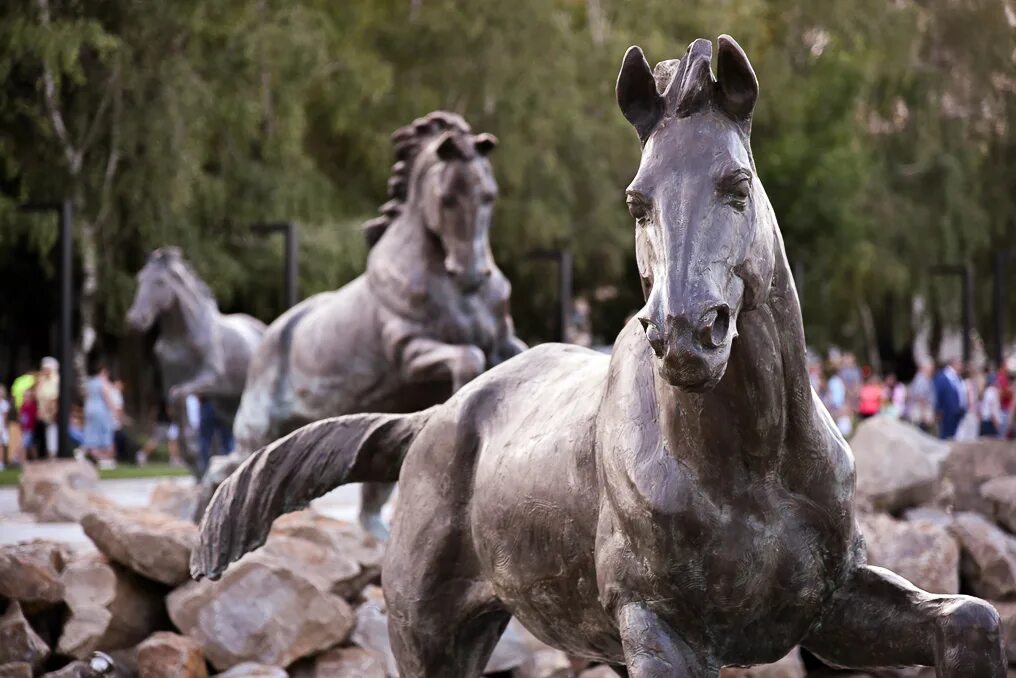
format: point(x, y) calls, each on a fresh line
point(637, 97)
point(485, 143)
point(447, 148)
point(737, 84)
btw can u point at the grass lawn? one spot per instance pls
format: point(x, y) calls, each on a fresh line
point(10, 476)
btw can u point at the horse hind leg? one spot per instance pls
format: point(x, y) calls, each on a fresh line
point(451, 635)
point(372, 499)
point(880, 619)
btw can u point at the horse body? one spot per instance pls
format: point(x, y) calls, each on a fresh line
point(200, 351)
point(430, 313)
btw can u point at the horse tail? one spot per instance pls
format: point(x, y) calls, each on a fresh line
point(287, 474)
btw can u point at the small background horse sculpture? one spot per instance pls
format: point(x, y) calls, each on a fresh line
point(683, 505)
point(200, 351)
point(430, 313)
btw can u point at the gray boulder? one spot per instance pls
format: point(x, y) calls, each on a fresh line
point(988, 562)
point(921, 551)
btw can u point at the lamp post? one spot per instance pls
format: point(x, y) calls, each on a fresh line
point(966, 276)
point(65, 248)
point(291, 272)
point(1001, 261)
point(563, 257)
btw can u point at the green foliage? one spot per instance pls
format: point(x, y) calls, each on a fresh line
point(881, 135)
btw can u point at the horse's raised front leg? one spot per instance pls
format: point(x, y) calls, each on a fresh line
point(652, 650)
point(879, 619)
point(424, 359)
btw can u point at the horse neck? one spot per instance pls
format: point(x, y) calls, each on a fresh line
point(399, 265)
point(189, 320)
point(764, 397)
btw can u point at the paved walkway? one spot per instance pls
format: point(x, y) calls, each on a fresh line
point(342, 504)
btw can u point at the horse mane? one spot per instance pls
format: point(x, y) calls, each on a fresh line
point(407, 142)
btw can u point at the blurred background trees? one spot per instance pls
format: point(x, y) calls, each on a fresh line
point(882, 137)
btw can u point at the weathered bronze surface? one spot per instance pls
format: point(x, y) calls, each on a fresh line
point(200, 351)
point(682, 505)
point(429, 314)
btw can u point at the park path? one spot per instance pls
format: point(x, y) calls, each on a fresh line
point(15, 526)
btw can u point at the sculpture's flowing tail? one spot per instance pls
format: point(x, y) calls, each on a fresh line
point(287, 474)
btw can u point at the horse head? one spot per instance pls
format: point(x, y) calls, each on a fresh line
point(166, 280)
point(704, 230)
point(453, 186)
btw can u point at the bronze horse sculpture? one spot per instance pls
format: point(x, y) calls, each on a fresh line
point(429, 314)
point(200, 351)
point(683, 505)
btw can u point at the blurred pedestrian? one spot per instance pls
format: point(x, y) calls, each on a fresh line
point(215, 434)
point(835, 399)
point(853, 380)
point(869, 402)
point(99, 412)
point(47, 395)
point(5, 438)
point(920, 408)
point(991, 409)
point(950, 398)
point(28, 415)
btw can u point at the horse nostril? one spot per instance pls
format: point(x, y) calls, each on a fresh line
point(715, 326)
point(653, 335)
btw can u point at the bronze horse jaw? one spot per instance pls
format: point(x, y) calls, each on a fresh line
point(684, 505)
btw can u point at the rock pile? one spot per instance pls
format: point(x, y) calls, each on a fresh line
point(308, 604)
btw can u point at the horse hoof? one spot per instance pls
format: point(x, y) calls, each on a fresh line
point(374, 527)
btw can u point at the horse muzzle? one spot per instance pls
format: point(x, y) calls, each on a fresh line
point(138, 321)
point(692, 354)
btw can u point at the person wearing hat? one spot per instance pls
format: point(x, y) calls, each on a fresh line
point(47, 395)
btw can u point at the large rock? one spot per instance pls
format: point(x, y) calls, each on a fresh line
point(18, 641)
point(371, 632)
point(39, 480)
point(169, 655)
point(341, 553)
point(16, 670)
point(790, 666)
point(1001, 494)
point(60, 491)
point(253, 670)
point(921, 551)
point(110, 607)
point(971, 464)
point(264, 609)
point(177, 498)
point(341, 662)
point(30, 573)
point(897, 464)
point(988, 563)
point(150, 543)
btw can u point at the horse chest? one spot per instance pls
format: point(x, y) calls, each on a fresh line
point(743, 572)
point(178, 359)
point(466, 320)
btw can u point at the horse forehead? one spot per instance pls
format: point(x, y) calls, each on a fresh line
point(698, 147)
point(475, 174)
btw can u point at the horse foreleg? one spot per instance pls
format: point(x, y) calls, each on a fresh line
point(880, 619)
point(424, 359)
point(652, 650)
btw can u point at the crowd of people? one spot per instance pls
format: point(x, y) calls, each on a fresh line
point(98, 424)
point(954, 402)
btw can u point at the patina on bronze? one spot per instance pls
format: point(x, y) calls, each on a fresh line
point(200, 351)
point(429, 314)
point(683, 505)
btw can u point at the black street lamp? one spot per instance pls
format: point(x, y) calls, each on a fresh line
point(563, 257)
point(291, 272)
point(65, 216)
point(1001, 261)
point(966, 276)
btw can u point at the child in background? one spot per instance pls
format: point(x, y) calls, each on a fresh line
point(28, 416)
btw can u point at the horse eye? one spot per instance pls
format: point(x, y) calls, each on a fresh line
point(738, 192)
point(448, 200)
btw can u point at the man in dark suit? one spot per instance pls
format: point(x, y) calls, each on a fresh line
point(950, 399)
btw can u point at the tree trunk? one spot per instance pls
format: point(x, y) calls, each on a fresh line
point(870, 340)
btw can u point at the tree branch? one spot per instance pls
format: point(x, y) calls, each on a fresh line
point(72, 154)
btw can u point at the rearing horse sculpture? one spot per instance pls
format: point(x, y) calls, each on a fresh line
point(429, 314)
point(200, 351)
point(684, 505)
